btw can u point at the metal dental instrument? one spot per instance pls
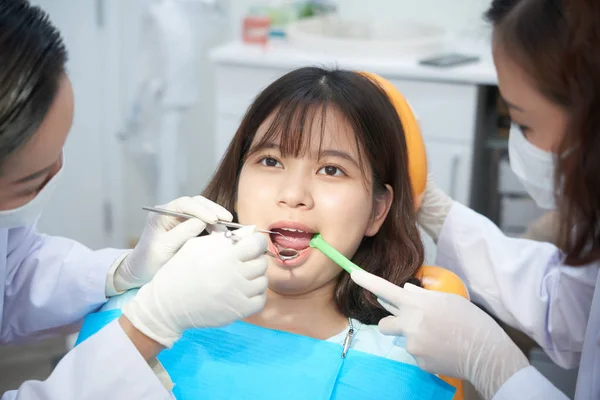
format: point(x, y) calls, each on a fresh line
point(290, 254)
point(230, 235)
point(187, 216)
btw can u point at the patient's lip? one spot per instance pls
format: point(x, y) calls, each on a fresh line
point(290, 225)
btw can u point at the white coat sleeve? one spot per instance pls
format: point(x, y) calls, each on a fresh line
point(105, 366)
point(51, 283)
point(529, 384)
point(522, 282)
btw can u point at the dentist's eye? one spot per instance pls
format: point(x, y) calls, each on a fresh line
point(269, 162)
point(331, 170)
point(523, 128)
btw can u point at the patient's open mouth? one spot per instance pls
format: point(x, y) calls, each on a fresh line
point(294, 239)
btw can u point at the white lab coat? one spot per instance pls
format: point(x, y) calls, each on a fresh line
point(49, 283)
point(525, 284)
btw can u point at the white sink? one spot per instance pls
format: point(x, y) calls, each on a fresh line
point(331, 34)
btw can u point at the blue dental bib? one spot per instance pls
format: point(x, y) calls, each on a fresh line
point(244, 361)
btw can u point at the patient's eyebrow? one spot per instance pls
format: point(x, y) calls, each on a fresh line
point(261, 147)
point(264, 146)
point(322, 154)
point(339, 154)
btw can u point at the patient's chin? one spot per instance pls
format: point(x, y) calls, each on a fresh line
point(288, 283)
point(299, 281)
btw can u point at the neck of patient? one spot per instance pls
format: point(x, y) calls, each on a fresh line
point(314, 314)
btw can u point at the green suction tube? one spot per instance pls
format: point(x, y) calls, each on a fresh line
point(320, 244)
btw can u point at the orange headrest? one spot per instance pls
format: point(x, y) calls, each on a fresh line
point(441, 280)
point(417, 159)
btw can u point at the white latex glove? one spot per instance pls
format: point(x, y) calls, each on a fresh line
point(434, 209)
point(447, 334)
point(210, 282)
point(163, 236)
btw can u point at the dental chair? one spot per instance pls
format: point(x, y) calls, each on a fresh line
point(432, 277)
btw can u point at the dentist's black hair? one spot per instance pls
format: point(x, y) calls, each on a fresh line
point(556, 43)
point(293, 101)
point(32, 61)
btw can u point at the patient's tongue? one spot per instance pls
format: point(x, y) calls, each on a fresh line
point(292, 240)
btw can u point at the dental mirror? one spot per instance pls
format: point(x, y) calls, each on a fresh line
point(285, 254)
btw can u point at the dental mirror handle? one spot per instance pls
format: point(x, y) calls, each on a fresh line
point(320, 244)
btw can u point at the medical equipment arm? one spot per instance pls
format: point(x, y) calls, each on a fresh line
point(106, 366)
point(447, 334)
point(51, 283)
point(522, 282)
point(434, 209)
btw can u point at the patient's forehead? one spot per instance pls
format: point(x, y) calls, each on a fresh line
point(308, 136)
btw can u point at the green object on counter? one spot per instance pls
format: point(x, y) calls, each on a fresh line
point(320, 244)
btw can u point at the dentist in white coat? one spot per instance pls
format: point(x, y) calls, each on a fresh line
point(548, 64)
point(48, 284)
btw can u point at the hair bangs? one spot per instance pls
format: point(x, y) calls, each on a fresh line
point(295, 125)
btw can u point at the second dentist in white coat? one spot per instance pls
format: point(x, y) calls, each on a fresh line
point(546, 55)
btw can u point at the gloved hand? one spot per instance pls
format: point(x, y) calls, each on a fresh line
point(210, 282)
point(447, 334)
point(163, 236)
point(434, 209)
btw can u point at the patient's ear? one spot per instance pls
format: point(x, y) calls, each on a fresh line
point(381, 208)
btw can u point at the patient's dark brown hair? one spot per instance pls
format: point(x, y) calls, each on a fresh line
point(396, 251)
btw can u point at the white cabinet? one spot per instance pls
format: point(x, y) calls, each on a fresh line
point(237, 86)
point(444, 110)
point(450, 164)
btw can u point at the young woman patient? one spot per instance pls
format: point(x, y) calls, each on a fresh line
point(324, 151)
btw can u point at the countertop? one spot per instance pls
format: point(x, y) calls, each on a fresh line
point(280, 55)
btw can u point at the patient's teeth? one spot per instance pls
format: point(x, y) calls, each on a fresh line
point(292, 230)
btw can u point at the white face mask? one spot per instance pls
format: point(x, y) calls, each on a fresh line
point(534, 167)
point(28, 213)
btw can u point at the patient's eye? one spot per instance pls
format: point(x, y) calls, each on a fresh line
point(270, 162)
point(331, 170)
